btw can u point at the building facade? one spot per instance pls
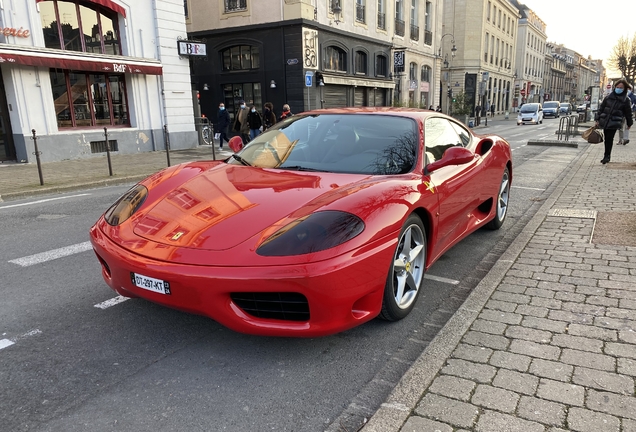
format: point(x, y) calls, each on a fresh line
point(69, 69)
point(554, 74)
point(314, 53)
point(484, 35)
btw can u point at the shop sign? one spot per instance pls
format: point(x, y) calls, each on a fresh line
point(398, 61)
point(412, 85)
point(424, 86)
point(12, 31)
point(310, 46)
point(194, 49)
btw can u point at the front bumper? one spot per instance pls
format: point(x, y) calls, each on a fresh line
point(342, 292)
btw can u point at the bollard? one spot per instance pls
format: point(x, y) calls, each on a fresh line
point(166, 138)
point(37, 156)
point(110, 166)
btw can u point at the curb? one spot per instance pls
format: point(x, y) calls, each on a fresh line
point(554, 143)
point(401, 402)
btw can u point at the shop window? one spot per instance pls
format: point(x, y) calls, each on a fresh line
point(412, 71)
point(240, 57)
point(87, 99)
point(251, 93)
point(235, 5)
point(73, 26)
point(361, 62)
point(381, 63)
point(425, 75)
point(335, 59)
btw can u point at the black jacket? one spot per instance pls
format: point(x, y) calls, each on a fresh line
point(254, 120)
point(613, 110)
point(224, 121)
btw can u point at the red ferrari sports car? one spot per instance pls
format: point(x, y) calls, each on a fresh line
point(321, 223)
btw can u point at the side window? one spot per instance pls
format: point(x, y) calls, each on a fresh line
point(464, 135)
point(439, 135)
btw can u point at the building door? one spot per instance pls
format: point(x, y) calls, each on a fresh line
point(7, 149)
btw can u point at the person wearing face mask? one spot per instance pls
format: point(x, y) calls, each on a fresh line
point(240, 122)
point(223, 124)
point(614, 108)
point(255, 121)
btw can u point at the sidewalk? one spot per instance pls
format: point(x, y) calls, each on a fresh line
point(22, 180)
point(547, 340)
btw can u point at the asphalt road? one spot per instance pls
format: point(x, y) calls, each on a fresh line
point(67, 365)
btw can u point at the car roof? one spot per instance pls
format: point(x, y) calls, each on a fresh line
point(415, 113)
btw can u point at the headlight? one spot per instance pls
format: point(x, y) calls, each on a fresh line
point(126, 206)
point(313, 233)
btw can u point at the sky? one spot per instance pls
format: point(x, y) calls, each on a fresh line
point(589, 27)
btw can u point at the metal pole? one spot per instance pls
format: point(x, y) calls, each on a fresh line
point(37, 156)
point(166, 138)
point(212, 139)
point(110, 166)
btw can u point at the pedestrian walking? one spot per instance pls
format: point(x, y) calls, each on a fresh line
point(492, 110)
point(255, 121)
point(614, 108)
point(286, 113)
point(623, 133)
point(269, 118)
point(477, 114)
point(240, 123)
point(430, 108)
point(223, 124)
point(438, 109)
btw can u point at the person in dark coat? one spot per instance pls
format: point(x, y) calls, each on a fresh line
point(240, 122)
point(223, 124)
point(492, 110)
point(286, 113)
point(269, 118)
point(255, 121)
point(615, 108)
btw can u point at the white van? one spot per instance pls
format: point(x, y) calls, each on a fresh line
point(530, 113)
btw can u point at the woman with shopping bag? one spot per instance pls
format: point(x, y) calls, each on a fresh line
point(614, 108)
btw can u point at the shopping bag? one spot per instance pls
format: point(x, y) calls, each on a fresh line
point(217, 135)
point(593, 135)
point(625, 136)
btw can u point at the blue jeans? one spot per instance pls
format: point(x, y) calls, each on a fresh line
point(254, 133)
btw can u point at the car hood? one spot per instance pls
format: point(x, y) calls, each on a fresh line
point(226, 205)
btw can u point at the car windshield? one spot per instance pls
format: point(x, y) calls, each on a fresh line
point(529, 108)
point(550, 105)
point(342, 143)
point(565, 106)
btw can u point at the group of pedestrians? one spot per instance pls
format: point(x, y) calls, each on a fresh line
point(615, 113)
point(248, 123)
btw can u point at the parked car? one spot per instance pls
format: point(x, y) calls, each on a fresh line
point(581, 108)
point(531, 113)
point(551, 109)
point(323, 222)
point(566, 108)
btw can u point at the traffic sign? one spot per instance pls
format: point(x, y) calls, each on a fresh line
point(309, 76)
point(523, 92)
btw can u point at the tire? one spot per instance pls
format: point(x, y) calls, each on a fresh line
point(501, 203)
point(206, 134)
point(406, 271)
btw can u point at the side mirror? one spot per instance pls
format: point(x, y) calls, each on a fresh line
point(452, 156)
point(236, 144)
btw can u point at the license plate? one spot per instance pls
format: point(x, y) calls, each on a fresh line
point(150, 284)
point(527, 119)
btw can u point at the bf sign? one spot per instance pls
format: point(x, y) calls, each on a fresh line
point(309, 75)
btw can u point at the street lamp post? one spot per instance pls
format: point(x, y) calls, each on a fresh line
point(446, 64)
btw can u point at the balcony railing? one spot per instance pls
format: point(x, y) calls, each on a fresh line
point(415, 32)
point(235, 5)
point(360, 13)
point(399, 27)
point(428, 37)
point(381, 21)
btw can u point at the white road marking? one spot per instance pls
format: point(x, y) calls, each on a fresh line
point(529, 188)
point(5, 343)
point(519, 134)
point(111, 302)
point(42, 201)
point(52, 254)
point(441, 279)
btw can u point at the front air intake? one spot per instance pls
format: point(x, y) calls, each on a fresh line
point(287, 306)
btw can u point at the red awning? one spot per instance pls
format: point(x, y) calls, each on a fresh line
point(106, 3)
point(31, 56)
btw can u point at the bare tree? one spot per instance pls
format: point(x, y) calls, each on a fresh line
point(623, 58)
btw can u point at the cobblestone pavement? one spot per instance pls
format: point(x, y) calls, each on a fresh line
point(547, 340)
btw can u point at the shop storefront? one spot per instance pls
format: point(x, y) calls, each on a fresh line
point(82, 66)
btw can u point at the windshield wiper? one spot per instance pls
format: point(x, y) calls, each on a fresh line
point(241, 160)
point(301, 168)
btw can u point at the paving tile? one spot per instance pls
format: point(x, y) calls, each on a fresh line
point(525, 333)
point(472, 353)
point(548, 303)
point(498, 316)
point(592, 332)
point(572, 317)
point(474, 371)
point(557, 286)
point(583, 420)
point(606, 381)
point(510, 297)
point(489, 327)
point(626, 366)
point(421, 424)
point(501, 305)
point(495, 398)
point(551, 369)
point(629, 425)
point(619, 313)
point(540, 292)
point(453, 387)
point(533, 349)
point(510, 361)
point(486, 340)
point(492, 421)
point(569, 394)
point(447, 410)
point(544, 324)
point(620, 349)
point(602, 301)
point(516, 381)
point(577, 342)
point(569, 297)
point(628, 336)
point(611, 403)
point(542, 411)
point(614, 323)
point(582, 308)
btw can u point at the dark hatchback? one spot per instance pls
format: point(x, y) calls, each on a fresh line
point(551, 109)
